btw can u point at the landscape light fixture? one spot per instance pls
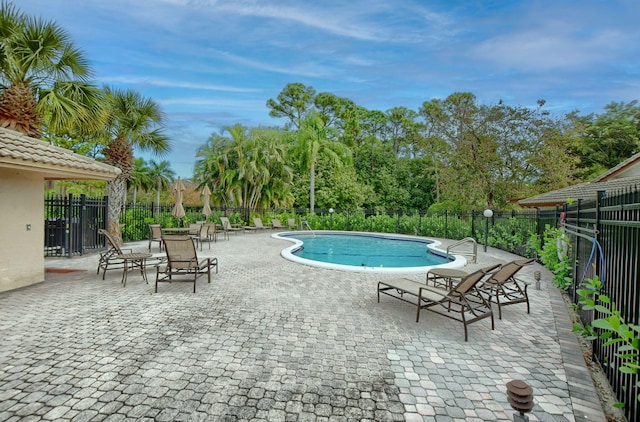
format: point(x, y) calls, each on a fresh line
point(330, 218)
point(520, 397)
point(487, 215)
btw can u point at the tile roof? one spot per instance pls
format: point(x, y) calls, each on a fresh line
point(587, 190)
point(21, 152)
point(627, 165)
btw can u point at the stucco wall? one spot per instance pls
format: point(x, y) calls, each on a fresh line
point(21, 250)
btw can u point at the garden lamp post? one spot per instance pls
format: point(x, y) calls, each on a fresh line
point(487, 215)
point(330, 218)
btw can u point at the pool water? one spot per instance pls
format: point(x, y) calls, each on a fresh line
point(362, 250)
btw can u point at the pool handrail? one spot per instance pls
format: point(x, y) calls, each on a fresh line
point(471, 254)
point(303, 223)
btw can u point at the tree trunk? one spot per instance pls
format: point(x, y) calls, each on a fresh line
point(115, 189)
point(120, 154)
point(158, 187)
point(135, 193)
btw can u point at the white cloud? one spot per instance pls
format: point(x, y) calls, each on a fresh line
point(546, 50)
point(224, 103)
point(158, 82)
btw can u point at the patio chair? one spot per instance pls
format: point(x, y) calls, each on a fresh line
point(291, 222)
point(214, 232)
point(202, 236)
point(277, 225)
point(257, 225)
point(464, 302)
point(228, 227)
point(182, 262)
point(194, 228)
point(504, 289)
point(155, 235)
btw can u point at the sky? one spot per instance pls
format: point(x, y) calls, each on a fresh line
point(213, 63)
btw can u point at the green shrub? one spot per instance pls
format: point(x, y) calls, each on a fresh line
point(514, 235)
point(554, 256)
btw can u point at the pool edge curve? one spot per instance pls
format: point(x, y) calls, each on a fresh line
point(287, 253)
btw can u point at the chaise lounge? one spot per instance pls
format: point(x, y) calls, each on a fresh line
point(182, 261)
point(503, 288)
point(464, 302)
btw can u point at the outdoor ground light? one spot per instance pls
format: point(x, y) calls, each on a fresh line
point(520, 397)
point(487, 215)
point(537, 275)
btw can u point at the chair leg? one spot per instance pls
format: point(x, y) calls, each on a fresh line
point(464, 322)
point(493, 324)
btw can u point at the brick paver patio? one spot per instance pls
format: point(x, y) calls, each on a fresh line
point(271, 340)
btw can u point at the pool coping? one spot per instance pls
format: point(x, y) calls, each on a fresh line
point(459, 261)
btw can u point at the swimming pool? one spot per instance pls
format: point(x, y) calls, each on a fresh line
point(366, 252)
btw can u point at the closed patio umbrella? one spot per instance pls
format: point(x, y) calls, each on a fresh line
point(206, 209)
point(178, 209)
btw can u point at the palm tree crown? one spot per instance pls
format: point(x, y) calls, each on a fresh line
point(43, 77)
point(161, 175)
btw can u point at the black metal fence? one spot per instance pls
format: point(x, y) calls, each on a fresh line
point(604, 241)
point(508, 230)
point(135, 218)
point(71, 224)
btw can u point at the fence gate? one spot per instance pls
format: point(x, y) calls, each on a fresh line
point(71, 224)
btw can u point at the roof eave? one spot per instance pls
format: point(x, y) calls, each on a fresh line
point(56, 172)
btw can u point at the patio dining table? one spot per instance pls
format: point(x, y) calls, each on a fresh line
point(177, 230)
point(445, 276)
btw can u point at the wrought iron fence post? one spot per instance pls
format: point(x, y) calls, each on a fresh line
point(473, 224)
point(67, 229)
point(82, 221)
point(446, 224)
point(576, 249)
point(597, 237)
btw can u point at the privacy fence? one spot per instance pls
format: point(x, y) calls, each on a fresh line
point(604, 240)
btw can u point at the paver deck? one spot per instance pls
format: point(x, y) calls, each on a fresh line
point(272, 340)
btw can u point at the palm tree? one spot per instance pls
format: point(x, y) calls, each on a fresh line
point(43, 78)
point(161, 177)
point(209, 166)
point(313, 141)
point(140, 178)
point(131, 121)
point(264, 171)
point(247, 168)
